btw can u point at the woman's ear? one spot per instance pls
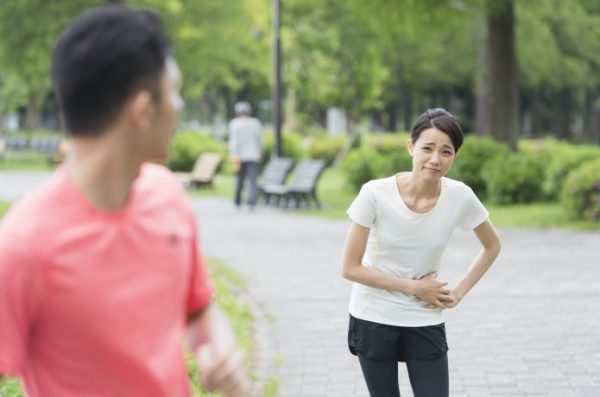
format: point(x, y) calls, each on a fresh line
point(140, 110)
point(409, 146)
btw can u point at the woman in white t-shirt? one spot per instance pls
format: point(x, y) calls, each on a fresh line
point(400, 228)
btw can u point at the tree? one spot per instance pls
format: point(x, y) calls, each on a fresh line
point(221, 47)
point(500, 80)
point(558, 58)
point(332, 58)
point(28, 29)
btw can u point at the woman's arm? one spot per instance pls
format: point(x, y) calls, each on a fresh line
point(488, 237)
point(427, 288)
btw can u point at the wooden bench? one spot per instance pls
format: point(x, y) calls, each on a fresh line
point(205, 170)
point(302, 188)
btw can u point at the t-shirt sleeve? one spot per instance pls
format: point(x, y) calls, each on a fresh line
point(201, 290)
point(473, 211)
point(19, 298)
point(363, 209)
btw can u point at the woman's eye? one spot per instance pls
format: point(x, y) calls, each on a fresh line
point(427, 148)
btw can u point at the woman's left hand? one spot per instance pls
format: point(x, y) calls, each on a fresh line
point(448, 304)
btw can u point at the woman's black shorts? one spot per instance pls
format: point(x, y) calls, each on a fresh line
point(388, 342)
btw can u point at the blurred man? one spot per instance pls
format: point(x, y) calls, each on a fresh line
point(99, 269)
point(245, 151)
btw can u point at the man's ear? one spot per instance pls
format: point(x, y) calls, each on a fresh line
point(140, 110)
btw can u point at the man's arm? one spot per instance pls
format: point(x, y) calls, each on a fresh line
point(220, 362)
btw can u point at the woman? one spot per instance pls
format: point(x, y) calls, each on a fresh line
point(400, 228)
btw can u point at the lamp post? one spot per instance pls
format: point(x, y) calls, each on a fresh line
point(276, 94)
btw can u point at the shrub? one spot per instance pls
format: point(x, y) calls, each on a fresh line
point(471, 159)
point(513, 178)
point(362, 165)
point(580, 193)
point(292, 146)
point(394, 162)
point(387, 143)
point(565, 160)
point(392, 148)
point(187, 146)
point(326, 148)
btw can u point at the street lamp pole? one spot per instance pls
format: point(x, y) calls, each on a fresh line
point(276, 94)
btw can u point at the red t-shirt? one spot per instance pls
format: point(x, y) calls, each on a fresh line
point(94, 303)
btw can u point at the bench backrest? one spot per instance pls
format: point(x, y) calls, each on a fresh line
point(276, 171)
point(206, 167)
point(306, 175)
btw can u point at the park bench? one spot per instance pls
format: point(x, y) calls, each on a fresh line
point(204, 171)
point(59, 153)
point(302, 188)
point(18, 142)
point(275, 173)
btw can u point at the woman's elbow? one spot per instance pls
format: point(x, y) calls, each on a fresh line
point(348, 272)
point(494, 248)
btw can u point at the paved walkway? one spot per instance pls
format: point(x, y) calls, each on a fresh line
point(529, 328)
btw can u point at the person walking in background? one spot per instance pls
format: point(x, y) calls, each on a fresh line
point(393, 253)
point(245, 151)
point(101, 280)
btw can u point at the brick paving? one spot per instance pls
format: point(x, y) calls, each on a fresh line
point(529, 328)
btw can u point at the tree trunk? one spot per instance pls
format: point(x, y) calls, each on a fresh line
point(501, 86)
point(536, 121)
point(481, 75)
point(392, 116)
point(562, 115)
point(33, 115)
point(590, 119)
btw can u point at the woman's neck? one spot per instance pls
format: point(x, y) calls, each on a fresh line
point(418, 188)
point(418, 196)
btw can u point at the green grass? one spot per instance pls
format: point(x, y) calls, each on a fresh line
point(240, 317)
point(24, 161)
point(3, 207)
point(536, 215)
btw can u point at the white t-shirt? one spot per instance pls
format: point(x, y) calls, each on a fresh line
point(407, 244)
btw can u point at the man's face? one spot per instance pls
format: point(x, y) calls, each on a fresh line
point(167, 111)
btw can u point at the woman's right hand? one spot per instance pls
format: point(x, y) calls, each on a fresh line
point(433, 291)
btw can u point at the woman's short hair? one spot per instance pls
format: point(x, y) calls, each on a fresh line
point(441, 120)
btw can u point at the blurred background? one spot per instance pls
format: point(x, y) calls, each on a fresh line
point(532, 67)
point(522, 76)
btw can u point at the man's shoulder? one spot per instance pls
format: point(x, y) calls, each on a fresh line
point(244, 122)
point(27, 214)
point(157, 179)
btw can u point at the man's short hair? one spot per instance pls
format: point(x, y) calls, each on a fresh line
point(101, 59)
point(242, 107)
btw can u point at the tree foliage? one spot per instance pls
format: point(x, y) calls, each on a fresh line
point(384, 58)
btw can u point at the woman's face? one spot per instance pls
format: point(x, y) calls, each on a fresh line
point(432, 153)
